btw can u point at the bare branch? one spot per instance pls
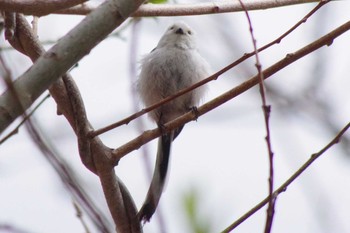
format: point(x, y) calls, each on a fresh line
point(67, 175)
point(25, 36)
point(102, 160)
point(290, 58)
point(76, 10)
point(15, 130)
point(217, 7)
point(94, 154)
point(128, 119)
point(79, 214)
point(37, 7)
point(212, 7)
point(54, 63)
point(284, 186)
point(119, 201)
point(266, 110)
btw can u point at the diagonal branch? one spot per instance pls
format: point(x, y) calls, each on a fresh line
point(67, 176)
point(213, 77)
point(25, 118)
point(291, 179)
point(95, 155)
point(68, 51)
point(268, 72)
point(23, 36)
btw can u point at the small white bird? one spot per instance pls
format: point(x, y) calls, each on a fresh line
point(173, 65)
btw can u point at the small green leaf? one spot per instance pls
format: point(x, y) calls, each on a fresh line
point(197, 223)
point(157, 1)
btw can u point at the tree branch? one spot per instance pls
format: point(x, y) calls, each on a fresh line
point(212, 7)
point(284, 186)
point(94, 154)
point(25, 118)
point(289, 59)
point(24, 35)
point(278, 40)
point(67, 175)
point(37, 7)
point(68, 51)
point(218, 7)
point(267, 111)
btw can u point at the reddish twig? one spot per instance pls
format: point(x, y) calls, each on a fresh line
point(289, 59)
point(25, 118)
point(289, 181)
point(56, 62)
point(266, 111)
point(130, 118)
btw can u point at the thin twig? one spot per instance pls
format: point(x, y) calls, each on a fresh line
point(79, 214)
point(54, 63)
point(25, 118)
point(93, 152)
point(9, 83)
point(130, 118)
point(267, 111)
point(119, 201)
point(303, 20)
point(63, 170)
point(67, 176)
point(289, 59)
point(291, 179)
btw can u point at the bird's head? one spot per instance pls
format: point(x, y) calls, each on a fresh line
point(178, 35)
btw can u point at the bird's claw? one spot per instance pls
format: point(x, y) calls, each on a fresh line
point(162, 128)
point(195, 112)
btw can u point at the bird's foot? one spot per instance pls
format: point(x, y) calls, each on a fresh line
point(195, 112)
point(162, 128)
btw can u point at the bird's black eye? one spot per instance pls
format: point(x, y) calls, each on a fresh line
point(189, 32)
point(171, 28)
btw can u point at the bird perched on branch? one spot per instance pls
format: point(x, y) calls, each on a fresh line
point(173, 65)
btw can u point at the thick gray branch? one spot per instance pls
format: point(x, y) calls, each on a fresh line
point(93, 153)
point(68, 51)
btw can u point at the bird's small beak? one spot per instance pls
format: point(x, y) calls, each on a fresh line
point(179, 31)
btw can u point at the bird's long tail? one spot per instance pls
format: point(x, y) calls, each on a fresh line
point(159, 176)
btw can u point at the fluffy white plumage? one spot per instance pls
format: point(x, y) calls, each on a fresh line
point(173, 65)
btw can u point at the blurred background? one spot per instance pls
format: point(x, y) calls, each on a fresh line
point(219, 165)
